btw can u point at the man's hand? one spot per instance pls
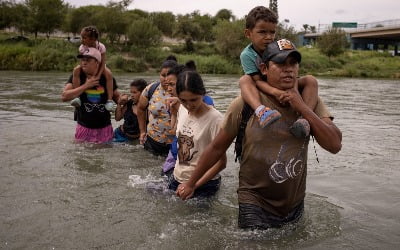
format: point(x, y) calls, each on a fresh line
point(293, 98)
point(91, 82)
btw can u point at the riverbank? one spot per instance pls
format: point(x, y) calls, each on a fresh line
point(60, 55)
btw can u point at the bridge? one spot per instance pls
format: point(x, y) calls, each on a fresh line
point(383, 35)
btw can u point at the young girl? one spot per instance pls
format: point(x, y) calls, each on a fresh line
point(127, 109)
point(173, 104)
point(89, 38)
point(197, 125)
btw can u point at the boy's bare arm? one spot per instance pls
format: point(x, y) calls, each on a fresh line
point(308, 86)
point(264, 87)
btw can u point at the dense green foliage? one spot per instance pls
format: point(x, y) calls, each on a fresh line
point(351, 63)
point(143, 33)
point(60, 55)
point(138, 41)
point(332, 42)
point(230, 43)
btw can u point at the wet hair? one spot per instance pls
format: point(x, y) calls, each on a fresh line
point(140, 84)
point(179, 68)
point(176, 70)
point(260, 13)
point(191, 65)
point(92, 32)
point(168, 64)
point(190, 81)
point(171, 57)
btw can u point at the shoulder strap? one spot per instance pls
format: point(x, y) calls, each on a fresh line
point(246, 113)
point(149, 95)
point(152, 89)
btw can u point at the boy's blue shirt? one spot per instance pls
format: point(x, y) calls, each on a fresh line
point(250, 59)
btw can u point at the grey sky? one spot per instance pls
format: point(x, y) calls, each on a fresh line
point(299, 12)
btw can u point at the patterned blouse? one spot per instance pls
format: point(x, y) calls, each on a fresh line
point(159, 126)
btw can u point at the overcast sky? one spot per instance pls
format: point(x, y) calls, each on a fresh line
point(299, 12)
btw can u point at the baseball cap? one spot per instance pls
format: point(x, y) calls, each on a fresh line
point(278, 51)
point(91, 52)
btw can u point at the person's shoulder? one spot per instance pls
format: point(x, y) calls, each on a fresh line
point(101, 47)
point(215, 112)
point(154, 86)
point(321, 110)
point(151, 85)
point(236, 106)
point(307, 78)
point(247, 50)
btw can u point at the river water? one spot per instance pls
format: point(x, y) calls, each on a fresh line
point(56, 194)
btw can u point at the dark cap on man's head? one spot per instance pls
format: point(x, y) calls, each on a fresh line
point(278, 51)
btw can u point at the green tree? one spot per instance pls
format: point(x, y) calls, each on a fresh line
point(185, 27)
point(285, 30)
point(273, 5)
point(205, 24)
point(19, 21)
point(77, 18)
point(224, 14)
point(136, 13)
point(6, 14)
point(123, 4)
point(113, 27)
point(45, 15)
point(143, 33)
point(306, 27)
point(13, 14)
point(332, 42)
point(194, 27)
point(165, 22)
point(229, 38)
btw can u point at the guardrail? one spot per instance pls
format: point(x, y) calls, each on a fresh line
point(379, 24)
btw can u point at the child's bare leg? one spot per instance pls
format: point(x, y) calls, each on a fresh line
point(251, 96)
point(309, 85)
point(110, 91)
point(76, 82)
point(109, 84)
point(249, 92)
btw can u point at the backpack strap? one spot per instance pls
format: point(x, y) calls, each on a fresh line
point(152, 89)
point(150, 93)
point(246, 113)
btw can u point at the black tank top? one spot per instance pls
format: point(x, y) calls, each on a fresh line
point(131, 124)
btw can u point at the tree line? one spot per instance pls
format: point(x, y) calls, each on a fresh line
point(140, 29)
point(135, 27)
